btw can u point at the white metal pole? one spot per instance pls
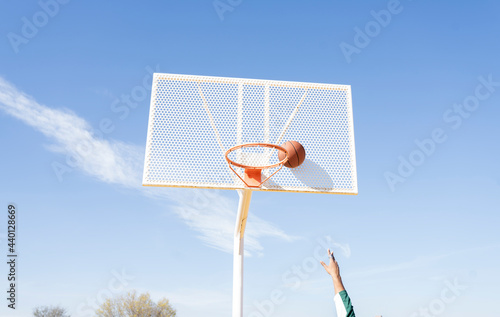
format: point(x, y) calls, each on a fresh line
point(238, 253)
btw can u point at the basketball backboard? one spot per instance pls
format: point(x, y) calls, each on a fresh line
point(194, 120)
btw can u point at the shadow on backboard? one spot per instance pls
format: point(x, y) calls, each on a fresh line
point(309, 174)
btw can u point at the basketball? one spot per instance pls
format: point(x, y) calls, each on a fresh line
point(296, 154)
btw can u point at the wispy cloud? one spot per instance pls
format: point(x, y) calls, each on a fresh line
point(418, 262)
point(109, 161)
point(213, 215)
point(208, 212)
point(408, 265)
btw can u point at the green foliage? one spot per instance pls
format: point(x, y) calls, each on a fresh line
point(133, 305)
point(50, 311)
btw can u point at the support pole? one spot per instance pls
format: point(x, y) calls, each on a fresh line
point(238, 252)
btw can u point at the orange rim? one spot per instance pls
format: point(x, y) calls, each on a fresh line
point(268, 145)
point(252, 173)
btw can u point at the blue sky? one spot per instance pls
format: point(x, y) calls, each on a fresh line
point(420, 238)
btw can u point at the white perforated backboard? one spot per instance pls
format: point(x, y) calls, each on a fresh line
point(194, 120)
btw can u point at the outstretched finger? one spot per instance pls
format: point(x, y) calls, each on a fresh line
point(324, 265)
point(331, 255)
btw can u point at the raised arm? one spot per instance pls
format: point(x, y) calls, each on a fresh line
point(342, 301)
point(333, 269)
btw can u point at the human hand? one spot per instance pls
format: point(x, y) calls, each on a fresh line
point(333, 267)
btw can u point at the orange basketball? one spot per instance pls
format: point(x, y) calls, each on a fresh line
point(296, 154)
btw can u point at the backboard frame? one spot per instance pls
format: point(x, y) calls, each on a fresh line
point(154, 105)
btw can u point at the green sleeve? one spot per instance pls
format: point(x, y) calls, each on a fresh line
point(347, 304)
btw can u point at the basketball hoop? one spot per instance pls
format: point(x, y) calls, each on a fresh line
point(253, 174)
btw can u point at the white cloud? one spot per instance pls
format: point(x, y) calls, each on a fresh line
point(109, 161)
point(213, 215)
point(205, 211)
point(418, 262)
